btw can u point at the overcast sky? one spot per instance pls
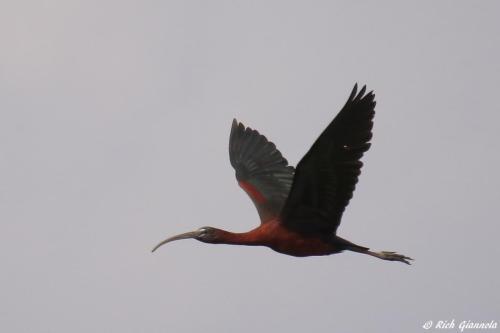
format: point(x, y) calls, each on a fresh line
point(114, 127)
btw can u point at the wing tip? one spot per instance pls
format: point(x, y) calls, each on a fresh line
point(236, 126)
point(361, 95)
point(353, 92)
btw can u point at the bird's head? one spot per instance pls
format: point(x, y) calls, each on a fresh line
point(203, 234)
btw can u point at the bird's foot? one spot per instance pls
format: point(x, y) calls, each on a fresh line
point(393, 256)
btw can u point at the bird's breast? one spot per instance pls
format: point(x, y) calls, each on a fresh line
point(275, 235)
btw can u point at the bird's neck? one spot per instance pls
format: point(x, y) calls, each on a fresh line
point(234, 238)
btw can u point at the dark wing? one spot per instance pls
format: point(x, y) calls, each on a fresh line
point(326, 176)
point(260, 170)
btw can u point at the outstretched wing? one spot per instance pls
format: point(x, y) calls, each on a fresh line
point(326, 176)
point(260, 169)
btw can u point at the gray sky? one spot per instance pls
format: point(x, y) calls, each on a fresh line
point(114, 127)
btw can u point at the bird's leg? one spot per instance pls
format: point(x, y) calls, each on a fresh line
point(391, 256)
point(385, 255)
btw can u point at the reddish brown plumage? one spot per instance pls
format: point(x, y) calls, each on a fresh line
point(253, 192)
point(276, 236)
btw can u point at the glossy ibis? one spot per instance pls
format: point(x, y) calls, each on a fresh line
point(300, 209)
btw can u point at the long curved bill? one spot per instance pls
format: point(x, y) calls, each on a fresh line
point(186, 235)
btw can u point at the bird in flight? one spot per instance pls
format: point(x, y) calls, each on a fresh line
point(301, 208)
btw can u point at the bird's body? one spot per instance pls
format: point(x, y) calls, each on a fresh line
point(300, 209)
point(276, 236)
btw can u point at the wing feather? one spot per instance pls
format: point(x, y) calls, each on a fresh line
point(326, 177)
point(261, 171)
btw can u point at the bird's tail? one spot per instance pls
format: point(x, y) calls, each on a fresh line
point(349, 245)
